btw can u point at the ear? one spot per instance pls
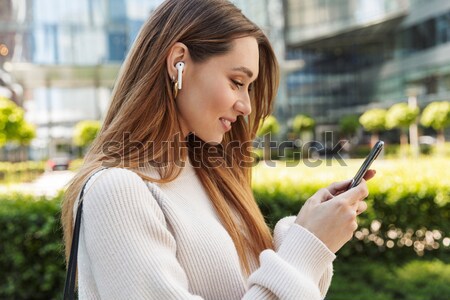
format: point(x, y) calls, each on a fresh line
point(178, 52)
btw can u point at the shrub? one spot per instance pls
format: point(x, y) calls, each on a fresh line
point(408, 209)
point(86, 132)
point(21, 171)
point(407, 204)
point(419, 280)
point(362, 279)
point(31, 260)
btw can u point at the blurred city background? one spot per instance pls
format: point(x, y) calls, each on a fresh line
point(339, 58)
point(351, 70)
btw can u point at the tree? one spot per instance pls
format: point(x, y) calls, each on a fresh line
point(401, 116)
point(437, 116)
point(11, 119)
point(348, 125)
point(374, 121)
point(267, 127)
point(86, 132)
point(26, 134)
point(14, 127)
point(302, 123)
point(302, 127)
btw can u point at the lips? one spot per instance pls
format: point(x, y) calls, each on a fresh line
point(226, 123)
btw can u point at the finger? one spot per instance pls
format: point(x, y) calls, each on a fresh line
point(355, 226)
point(322, 195)
point(340, 186)
point(359, 192)
point(362, 206)
point(369, 174)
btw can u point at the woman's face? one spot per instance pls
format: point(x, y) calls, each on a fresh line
point(216, 91)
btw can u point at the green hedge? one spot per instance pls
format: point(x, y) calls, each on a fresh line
point(21, 171)
point(409, 200)
point(363, 279)
point(408, 206)
point(32, 263)
point(358, 151)
point(31, 258)
point(407, 220)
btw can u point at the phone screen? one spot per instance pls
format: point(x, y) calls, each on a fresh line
point(366, 164)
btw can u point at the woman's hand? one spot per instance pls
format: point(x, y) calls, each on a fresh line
point(331, 212)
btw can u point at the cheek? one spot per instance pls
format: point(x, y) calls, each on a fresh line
point(210, 97)
point(224, 97)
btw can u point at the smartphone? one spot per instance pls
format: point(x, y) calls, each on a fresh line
point(366, 164)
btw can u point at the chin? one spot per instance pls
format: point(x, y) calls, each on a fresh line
point(208, 138)
point(213, 140)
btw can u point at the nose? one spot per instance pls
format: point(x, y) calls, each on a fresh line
point(243, 107)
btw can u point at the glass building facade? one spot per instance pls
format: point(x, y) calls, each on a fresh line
point(66, 56)
point(361, 54)
point(349, 55)
point(84, 32)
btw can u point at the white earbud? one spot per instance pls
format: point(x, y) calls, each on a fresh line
point(180, 67)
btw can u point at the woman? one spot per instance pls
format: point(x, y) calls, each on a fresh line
point(173, 216)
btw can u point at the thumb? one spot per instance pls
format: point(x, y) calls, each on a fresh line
point(321, 195)
point(369, 174)
point(340, 186)
point(354, 195)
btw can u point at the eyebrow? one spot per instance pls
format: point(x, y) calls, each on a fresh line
point(245, 70)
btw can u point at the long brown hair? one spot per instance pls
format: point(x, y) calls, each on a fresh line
point(144, 91)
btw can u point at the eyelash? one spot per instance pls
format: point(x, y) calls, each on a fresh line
point(239, 85)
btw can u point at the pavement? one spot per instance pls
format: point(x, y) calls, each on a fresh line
point(48, 184)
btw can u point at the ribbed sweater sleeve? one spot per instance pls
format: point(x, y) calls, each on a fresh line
point(281, 229)
point(132, 251)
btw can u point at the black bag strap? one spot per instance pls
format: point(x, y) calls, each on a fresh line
point(69, 286)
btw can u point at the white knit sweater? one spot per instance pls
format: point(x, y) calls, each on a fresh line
point(141, 240)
